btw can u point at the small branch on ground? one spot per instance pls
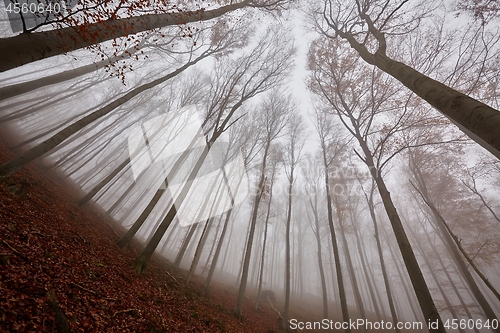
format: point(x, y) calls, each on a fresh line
point(83, 288)
point(19, 254)
point(125, 311)
point(61, 321)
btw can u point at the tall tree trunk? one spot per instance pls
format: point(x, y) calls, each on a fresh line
point(338, 267)
point(125, 240)
point(478, 120)
point(371, 207)
point(24, 87)
point(141, 262)
point(287, 249)
point(213, 265)
point(447, 301)
point(404, 279)
point(263, 256)
point(452, 246)
point(185, 243)
point(251, 232)
point(350, 266)
point(26, 48)
point(424, 297)
point(324, 292)
point(24, 158)
point(448, 276)
point(364, 264)
point(199, 248)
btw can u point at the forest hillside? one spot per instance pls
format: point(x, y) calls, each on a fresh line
point(51, 246)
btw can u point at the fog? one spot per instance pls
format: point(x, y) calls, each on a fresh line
point(338, 185)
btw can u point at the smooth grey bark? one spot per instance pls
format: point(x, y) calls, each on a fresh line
point(125, 240)
point(24, 158)
point(26, 48)
point(436, 280)
point(424, 296)
point(478, 120)
point(264, 242)
point(454, 246)
point(371, 207)
point(409, 295)
point(199, 248)
point(448, 276)
point(25, 87)
point(338, 267)
point(287, 245)
point(218, 249)
point(324, 292)
point(185, 243)
point(350, 267)
point(364, 264)
point(251, 232)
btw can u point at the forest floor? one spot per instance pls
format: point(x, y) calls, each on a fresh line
point(58, 260)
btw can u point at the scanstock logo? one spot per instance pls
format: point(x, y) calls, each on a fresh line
point(166, 150)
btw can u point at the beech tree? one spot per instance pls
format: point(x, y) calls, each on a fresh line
point(273, 116)
point(225, 42)
point(341, 81)
point(366, 25)
point(28, 47)
point(262, 69)
point(295, 138)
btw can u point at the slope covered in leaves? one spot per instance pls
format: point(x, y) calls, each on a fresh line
point(49, 245)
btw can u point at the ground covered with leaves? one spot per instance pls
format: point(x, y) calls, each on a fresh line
point(60, 263)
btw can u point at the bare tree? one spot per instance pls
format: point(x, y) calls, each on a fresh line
point(342, 82)
point(273, 115)
point(29, 47)
point(262, 69)
point(295, 140)
point(365, 25)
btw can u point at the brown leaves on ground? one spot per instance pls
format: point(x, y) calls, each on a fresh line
point(49, 243)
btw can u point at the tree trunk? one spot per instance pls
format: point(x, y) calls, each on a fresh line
point(338, 267)
point(364, 264)
point(185, 242)
point(448, 276)
point(436, 280)
point(450, 243)
point(143, 259)
point(123, 243)
point(24, 87)
point(26, 48)
point(24, 158)
point(478, 120)
point(262, 258)
point(424, 297)
point(350, 267)
point(381, 257)
point(248, 250)
point(213, 265)
point(320, 258)
point(287, 250)
point(199, 248)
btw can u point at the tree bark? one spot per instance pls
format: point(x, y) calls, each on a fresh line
point(478, 120)
point(381, 257)
point(24, 158)
point(26, 48)
point(338, 267)
point(248, 250)
point(24, 87)
point(424, 297)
